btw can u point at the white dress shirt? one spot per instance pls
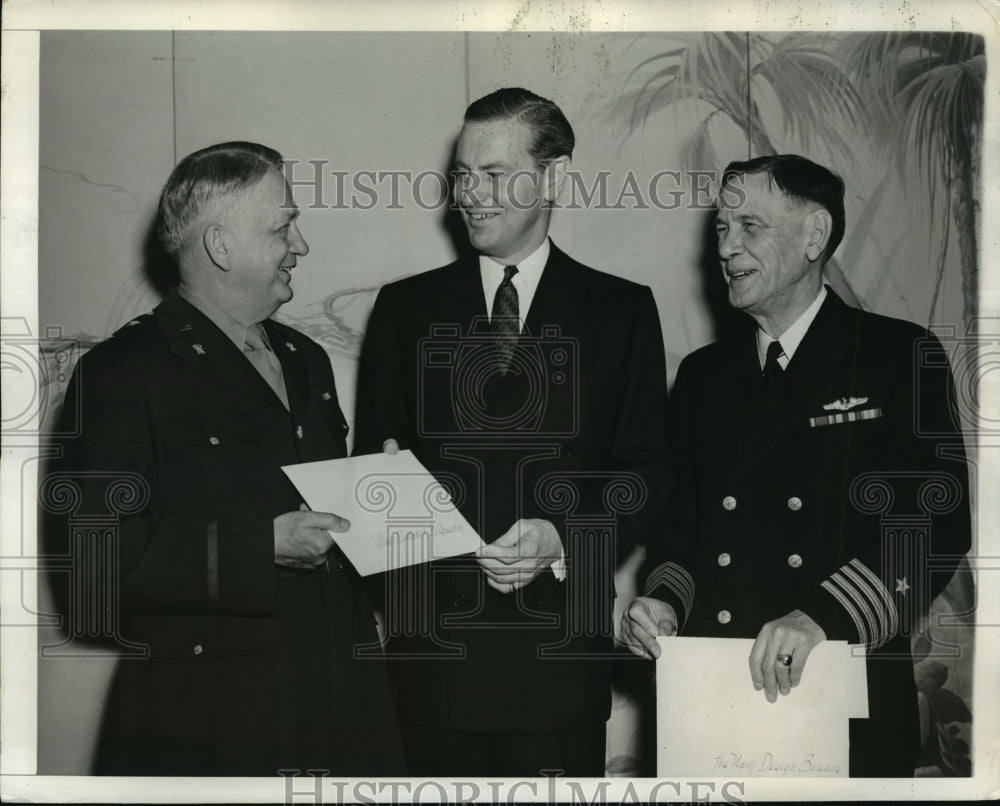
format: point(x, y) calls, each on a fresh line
point(529, 272)
point(791, 338)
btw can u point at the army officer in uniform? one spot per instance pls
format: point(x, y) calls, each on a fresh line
point(791, 443)
point(250, 614)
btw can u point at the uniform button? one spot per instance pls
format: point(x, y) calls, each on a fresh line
point(213, 440)
point(298, 432)
point(724, 559)
point(724, 617)
point(795, 561)
point(197, 649)
point(795, 503)
point(729, 503)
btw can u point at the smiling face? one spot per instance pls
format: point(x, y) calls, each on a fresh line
point(501, 190)
point(263, 245)
point(769, 246)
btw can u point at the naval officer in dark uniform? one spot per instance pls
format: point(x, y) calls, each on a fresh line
point(250, 614)
point(795, 448)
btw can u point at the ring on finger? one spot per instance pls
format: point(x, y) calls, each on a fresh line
point(783, 660)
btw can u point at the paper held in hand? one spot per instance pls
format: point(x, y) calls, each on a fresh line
point(711, 722)
point(400, 514)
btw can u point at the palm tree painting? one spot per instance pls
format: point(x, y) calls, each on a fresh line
point(926, 91)
point(734, 73)
point(918, 95)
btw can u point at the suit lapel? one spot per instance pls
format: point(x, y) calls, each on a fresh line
point(818, 367)
point(556, 302)
point(467, 305)
point(195, 339)
point(557, 299)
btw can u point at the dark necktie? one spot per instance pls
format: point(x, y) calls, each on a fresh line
point(773, 373)
point(506, 319)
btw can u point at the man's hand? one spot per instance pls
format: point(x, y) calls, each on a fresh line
point(520, 554)
point(795, 634)
point(301, 540)
point(643, 620)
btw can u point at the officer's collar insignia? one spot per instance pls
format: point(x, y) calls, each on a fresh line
point(198, 349)
point(845, 403)
point(290, 346)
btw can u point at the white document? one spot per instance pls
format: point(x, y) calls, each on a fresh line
point(711, 722)
point(857, 681)
point(400, 514)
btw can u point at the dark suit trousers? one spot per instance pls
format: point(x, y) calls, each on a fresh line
point(433, 752)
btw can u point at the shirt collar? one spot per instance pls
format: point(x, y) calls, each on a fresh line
point(529, 270)
point(791, 338)
point(235, 331)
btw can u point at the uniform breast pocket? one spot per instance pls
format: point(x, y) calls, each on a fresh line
point(213, 432)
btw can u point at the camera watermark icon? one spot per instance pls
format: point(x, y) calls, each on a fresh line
point(464, 394)
point(34, 370)
point(973, 360)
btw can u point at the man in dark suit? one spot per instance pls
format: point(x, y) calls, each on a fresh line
point(534, 388)
point(819, 485)
point(249, 612)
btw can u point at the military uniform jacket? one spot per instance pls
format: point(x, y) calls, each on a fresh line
point(250, 665)
point(847, 499)
point(574, 433)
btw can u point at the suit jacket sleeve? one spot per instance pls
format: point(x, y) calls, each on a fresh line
point(670, 555)
point(380, 410)
point(640, 445)
point(168, 562)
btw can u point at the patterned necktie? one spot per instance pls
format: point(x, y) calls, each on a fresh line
point(264, 360)
point(773, 373)
point(506, 319)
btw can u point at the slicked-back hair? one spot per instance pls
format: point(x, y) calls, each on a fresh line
point(552, 136)
point(200, 179)
point(800, 179)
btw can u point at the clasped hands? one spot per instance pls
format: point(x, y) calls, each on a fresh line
point(793, 635)
point(520, 554)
